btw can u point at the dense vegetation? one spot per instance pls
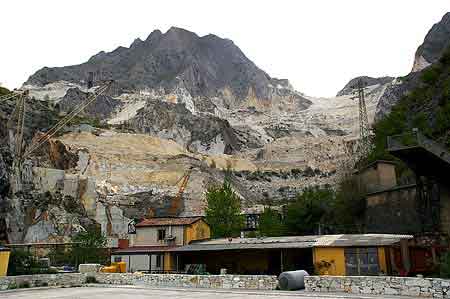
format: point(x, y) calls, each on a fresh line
point(324, 210)
point(89, 247)
point(316, 210)
point(427, 108)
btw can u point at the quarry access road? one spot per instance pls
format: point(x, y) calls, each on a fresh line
point(133, 292)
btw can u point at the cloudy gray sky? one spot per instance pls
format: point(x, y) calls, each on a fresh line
point(317, 44)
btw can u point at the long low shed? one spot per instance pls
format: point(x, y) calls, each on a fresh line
point(358, 254)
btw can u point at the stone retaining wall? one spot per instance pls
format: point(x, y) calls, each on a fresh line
point(255, 282)
point(380, 285)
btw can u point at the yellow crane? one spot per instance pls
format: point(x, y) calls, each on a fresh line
point(177, 200)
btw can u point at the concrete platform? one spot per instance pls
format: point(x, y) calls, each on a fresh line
point(133, 292)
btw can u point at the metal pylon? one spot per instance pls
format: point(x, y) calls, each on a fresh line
point(364, 130)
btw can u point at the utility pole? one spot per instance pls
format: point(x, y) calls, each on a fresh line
point(364, 130)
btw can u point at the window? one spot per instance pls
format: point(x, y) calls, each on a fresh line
point(161, 234)
point(252, 221)
point(117, 259)
point(361, 261)
point(159, 261)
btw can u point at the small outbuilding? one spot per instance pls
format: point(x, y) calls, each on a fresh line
point(364, 254)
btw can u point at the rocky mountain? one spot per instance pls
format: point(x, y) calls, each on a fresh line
point(182, 102)
point(436, 42)
point(206, 66)
point(393, 89)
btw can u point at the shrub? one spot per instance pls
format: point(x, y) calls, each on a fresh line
point(89, 247)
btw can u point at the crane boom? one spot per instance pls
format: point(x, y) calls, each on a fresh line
point(176, 201)
point(56, 128)
point(20, 126)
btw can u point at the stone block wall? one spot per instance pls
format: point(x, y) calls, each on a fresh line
point(255, 282)
point(380, 285)
point(41, 280)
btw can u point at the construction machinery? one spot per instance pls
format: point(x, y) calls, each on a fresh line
point(116, 267)
point(177, 201)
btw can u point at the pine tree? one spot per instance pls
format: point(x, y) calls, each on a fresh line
point(223, 212)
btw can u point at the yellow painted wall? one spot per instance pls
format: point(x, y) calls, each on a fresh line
point(382, 259)
point(4, 260)
point(335, 256)
point(196, 231)
point(169, 264)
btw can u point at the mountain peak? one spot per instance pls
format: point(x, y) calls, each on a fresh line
point(155, 34)
point(207, 66)
point(136, 42)
point(180, 31)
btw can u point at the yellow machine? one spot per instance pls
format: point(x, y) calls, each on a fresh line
point(4, 260)
point(116, 267)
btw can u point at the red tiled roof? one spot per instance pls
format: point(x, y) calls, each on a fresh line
point(143, 249)
point(168, 221)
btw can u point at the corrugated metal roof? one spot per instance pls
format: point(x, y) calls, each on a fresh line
point(359, 240)
point(295, 242)
point(168, 221)
point(217, 247)
point(143, 249)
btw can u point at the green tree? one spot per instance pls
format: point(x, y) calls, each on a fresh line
point(304, 215)
point(89, 247)
point(270, 223)
point(223, 211)
point(346, 213)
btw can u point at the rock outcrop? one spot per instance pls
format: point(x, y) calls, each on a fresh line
point(436, 42)
point(101, 108)
point(367, 81)
point(197, 133)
